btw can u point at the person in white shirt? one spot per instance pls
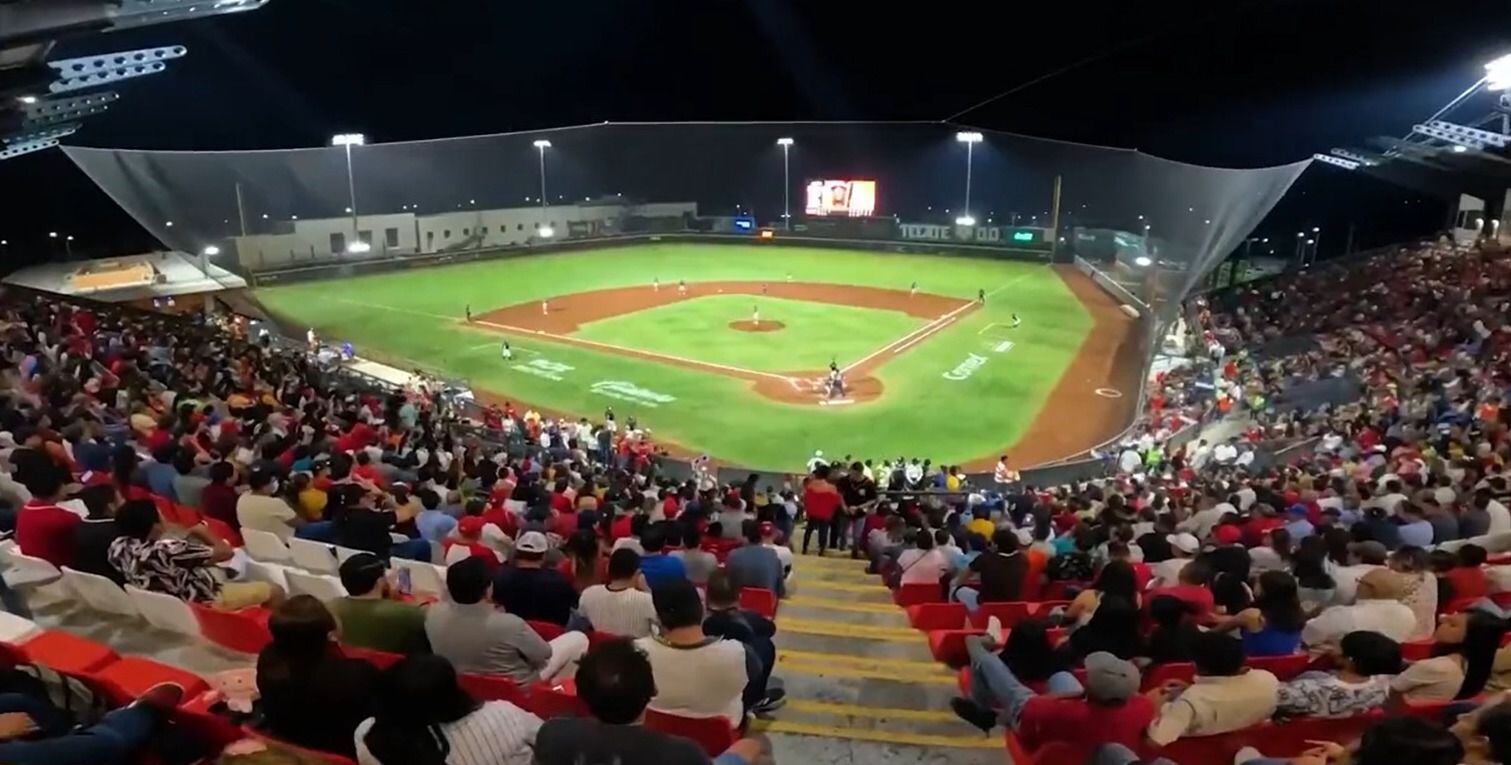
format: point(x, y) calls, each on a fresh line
point(262, 509)
point(1167, 572)
point(424, 715)
point(1226, 695)
point(1500, 517)
point(1378, 609)
point(1201, 523)
point(925, 563)
point(1392, 499)
point(1365, 557)
point(1225, 453)
point(1201, 456)
point(620, 607)
point(1004, 476)
point(1130, 461)
point(696, 676)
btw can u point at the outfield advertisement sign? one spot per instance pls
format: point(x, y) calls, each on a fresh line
point(1003, 235)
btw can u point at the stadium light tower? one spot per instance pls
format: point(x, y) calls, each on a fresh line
point(970, 138)
point(541, 145)
point(1498, 73)
point(786, 144)
point(347, 141)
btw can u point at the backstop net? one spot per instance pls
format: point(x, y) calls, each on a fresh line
point(1152, 227)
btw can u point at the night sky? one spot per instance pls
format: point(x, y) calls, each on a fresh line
point(1227, 83)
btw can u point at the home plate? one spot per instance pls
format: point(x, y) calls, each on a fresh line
point(835, 401)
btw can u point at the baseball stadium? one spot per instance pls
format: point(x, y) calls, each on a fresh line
point(869, 442)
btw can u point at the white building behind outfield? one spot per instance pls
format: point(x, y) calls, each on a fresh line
point(325, 239)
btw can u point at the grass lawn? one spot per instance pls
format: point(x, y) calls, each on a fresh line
point(413, 318)
point(698, 328)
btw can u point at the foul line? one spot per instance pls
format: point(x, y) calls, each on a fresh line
point(632, 352)
point(929, 328)
point(936, 330)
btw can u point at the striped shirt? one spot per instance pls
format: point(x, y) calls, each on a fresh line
point(498, 733)
point(628, 612)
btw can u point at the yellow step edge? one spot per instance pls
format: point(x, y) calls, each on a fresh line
point(852, 673)
point(844, 605)
point(842, 629)
point(830, 659)
point(837, 709)
point(824, 584)
point(880, 736)
point(799, 559)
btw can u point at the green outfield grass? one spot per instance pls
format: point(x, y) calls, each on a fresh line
point(413, 318)
point(698, 328)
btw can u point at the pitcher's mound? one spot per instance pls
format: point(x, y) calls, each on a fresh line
point(746, 325)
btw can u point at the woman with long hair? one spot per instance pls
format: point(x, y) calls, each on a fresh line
point(1314, 585)
point(1464, 658)
point(1230, 577)
point(1114, 628)
point(1174, 635)
point(581, 565)
point(424, 717)
point(1028, 652)
point(311, 695)
point(1115, 578)
point(1272, 626)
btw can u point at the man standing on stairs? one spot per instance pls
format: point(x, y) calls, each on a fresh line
point(1112, 707)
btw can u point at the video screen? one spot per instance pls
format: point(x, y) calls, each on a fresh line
point(854, 199)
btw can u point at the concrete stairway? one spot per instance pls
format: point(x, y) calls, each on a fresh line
point(861, 684)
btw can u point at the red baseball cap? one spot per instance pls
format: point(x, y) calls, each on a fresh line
point(470, 526)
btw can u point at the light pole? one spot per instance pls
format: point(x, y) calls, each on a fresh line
point(1300, 253)
point(68, 246)
point(1316, 238)
point(786, 144)
point(209, 251)
point(541, 145)
point(347, 141)
point(970, 138)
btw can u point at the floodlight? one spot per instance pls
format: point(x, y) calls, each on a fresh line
point(1498, 73)
point(211, 250)
point(1315, 229)
point(546, 232)
point(169, 224)
point(52, 235)
point(541, 143)
point(28, 100)
point(1459, 148)
point(968, 136)
point(1143, 261)
point(358, 246)
point(784, 141)
point(348, 139)
point(965, 220)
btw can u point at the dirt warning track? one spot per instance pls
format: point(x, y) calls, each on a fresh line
point(557, 317)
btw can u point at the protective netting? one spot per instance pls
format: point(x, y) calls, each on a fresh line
point(1156, 226)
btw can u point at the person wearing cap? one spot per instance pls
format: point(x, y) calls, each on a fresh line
point(371, 616)
point(656, 566)
point(529, 589)
point(1378, 608)
point(468, 542)
point(754, 564)
point(477, 637)
point(1297, 524)
point(1225, 696)
point(1183, 546)
point(1112, 705)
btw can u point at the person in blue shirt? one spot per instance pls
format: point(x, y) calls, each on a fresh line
point(1299, 527)
point(1416, 530)
point(658, 567)
point(160, 473)
point(433, 524)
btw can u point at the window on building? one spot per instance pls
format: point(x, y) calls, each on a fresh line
point(446, 234)
point(519, 227)
point(338, 242)
point(366, 237)
point(482, 230)
point(537, 224)
point(429, 240)
point(391, 237)
point(466, 232)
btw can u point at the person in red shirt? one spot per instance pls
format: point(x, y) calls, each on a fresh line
point(1112, 711)
point(44, 530)
point(821, 500)
point(469, 537)
point(1467, 580)
point(1264, 520)
point(1192, 590)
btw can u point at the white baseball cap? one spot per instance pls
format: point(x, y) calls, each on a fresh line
point(1186, 543)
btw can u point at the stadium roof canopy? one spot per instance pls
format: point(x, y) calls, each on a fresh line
point(42, 100)
point(1463, 148)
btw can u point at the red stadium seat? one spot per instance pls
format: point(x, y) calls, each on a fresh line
point(1056, 753)
point(245, 630)
point(1417, 650)
point(1502, 599)
point(130, 677)
point(379, 659)
point(1060, 590)
point(492, 688)
point(712, 734)
point(1282, 667)
point(1163, 673)
point(1009, 613)
point(913, 594)
point(67, 653)
point(759, 600)
point(936, 616)
point(948, 646)
point(1287, 739)
point(548, 631)
point(599, 637)
point(556, 699)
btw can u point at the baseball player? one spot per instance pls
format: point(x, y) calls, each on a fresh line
point(981, 296)
point(755, 315)
point(681, 286)
point(789, 277)
point(545, 307)
point(506, 352)
point(469, 313)
point(1015, 322)
point(913, 290)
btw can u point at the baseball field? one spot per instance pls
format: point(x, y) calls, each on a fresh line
point(724, 349)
